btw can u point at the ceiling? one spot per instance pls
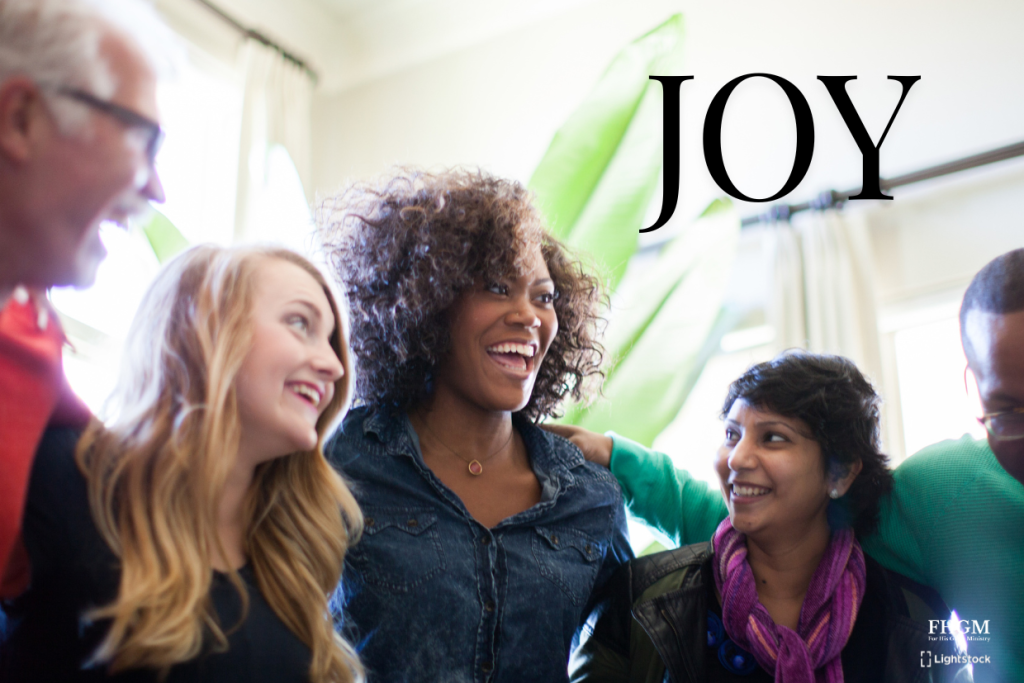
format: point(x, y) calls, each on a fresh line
point(351, 42)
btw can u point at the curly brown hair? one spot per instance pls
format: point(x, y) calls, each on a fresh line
point(406, 247)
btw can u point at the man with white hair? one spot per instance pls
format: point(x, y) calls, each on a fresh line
point(79, 133)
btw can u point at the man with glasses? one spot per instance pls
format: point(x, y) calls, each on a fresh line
point(79, 135)
point(992, 330)
point(955, 520)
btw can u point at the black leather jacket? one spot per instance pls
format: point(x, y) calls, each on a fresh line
point(655, 627)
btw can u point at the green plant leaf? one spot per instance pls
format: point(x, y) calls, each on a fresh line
point(657, 338)
point(165, 239)
point(597, 178)
point(677, 259)
point(633, 312)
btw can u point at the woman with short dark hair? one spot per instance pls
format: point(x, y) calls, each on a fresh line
point(840, 408)
point(783, 591)
point(487, 539)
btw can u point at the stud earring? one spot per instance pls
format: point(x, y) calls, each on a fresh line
point(833, 494)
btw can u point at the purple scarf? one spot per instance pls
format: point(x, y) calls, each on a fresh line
point(811, 653)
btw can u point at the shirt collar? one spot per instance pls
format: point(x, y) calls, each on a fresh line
point(549, 454)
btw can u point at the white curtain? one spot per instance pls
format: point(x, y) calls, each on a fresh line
point(276, 118)
point(822, 295)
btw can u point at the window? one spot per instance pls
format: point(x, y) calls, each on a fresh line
point(936, 399)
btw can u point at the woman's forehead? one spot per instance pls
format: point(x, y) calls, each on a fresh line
point(744, 411)
point(535, 267)
point(529, 264)
point(279, 281)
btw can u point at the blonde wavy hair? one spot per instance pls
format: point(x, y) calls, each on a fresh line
point(156, 471)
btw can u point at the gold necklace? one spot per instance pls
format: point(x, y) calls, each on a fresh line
point(475, 466)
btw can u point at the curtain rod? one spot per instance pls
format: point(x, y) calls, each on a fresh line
point(260, 38)
point(831, 198)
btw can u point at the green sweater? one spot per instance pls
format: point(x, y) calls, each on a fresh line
point(954, 521)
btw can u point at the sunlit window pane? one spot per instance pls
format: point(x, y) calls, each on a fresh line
point(202, 111)
point(281, 214)
point(935, 403)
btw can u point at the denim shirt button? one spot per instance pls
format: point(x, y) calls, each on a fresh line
point(486, 667)
point(489, 605)
point(412, 522)
point(486, 540)
point(369, 521)
point(554, 539)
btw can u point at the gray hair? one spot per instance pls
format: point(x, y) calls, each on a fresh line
point(57, 42)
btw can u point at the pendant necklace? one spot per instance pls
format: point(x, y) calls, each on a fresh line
point(475, 466)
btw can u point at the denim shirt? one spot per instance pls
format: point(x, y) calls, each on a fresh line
point(429, 594)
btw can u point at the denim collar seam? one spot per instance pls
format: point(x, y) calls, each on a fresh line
point(386, 426)
point(554, 458)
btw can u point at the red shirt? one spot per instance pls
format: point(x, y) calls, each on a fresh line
point(33, 394)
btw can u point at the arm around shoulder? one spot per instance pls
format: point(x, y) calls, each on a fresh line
point(926, 487)
point(667, 498)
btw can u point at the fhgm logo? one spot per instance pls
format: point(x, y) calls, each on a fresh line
point(958, 630)
point(957, 626)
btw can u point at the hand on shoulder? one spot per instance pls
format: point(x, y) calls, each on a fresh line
point(597, 448)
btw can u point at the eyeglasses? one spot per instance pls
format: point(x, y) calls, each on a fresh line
point(1005, 425)
point(154, 133)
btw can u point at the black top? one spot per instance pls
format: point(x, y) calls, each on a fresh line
point(73, 569)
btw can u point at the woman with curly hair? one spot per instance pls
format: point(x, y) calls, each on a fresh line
point(486, 537)
point(198, 535)
point(783, 591)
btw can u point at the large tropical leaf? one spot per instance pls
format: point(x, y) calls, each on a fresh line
point(165, 239)
point(657, 338)
point(597, 178)
point(676, 260)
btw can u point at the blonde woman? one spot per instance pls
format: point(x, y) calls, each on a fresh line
point(198, 535)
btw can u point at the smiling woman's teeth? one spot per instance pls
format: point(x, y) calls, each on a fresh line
point(749, 490)
point(526, 350)
point(308, 392)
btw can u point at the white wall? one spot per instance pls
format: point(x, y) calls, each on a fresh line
point(938, 235)
point(498, 103)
